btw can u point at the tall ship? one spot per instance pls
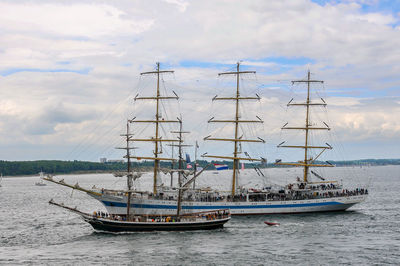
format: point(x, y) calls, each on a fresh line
point(133, 222)
point(300, 196)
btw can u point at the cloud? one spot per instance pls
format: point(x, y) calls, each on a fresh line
point(7, 72)
point(52, 116)
point(78, 20)
point(46, 47)
point(181, 4)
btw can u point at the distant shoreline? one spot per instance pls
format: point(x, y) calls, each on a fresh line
point(55, 174)
point(57, 167)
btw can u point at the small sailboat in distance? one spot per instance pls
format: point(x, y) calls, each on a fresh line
point(40, 182)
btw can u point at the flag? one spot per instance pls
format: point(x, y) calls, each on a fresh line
point(189, 166)
point(221, 166)
point(187, 158)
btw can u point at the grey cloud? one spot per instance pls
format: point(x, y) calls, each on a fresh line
point(51, 116)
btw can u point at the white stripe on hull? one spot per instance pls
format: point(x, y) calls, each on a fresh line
point(149, 206)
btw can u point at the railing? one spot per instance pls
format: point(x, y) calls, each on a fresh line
point(186, 217)
point(283, 195)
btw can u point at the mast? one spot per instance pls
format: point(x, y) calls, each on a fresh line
point(129, 180)
point(158, 120)
point(235, 152)
point(129, 174)
point(308, 161)
point(195, 163)
point(307, 128)
point(172, 167)
point(236, 140)
point(180, 162)
point(156, 162)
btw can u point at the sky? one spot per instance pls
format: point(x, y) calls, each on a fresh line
point(70, 70)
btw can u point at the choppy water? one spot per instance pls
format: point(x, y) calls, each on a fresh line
point(33, 232)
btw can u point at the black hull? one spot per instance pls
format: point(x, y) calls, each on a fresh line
point(114, 226)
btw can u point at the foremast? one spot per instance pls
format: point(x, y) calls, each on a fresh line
point(308, 161)
point(157, 139)
point(236, 121)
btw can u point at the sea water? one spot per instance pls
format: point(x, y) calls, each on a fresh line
point(34, 232)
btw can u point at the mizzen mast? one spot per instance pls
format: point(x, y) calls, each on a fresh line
point(236, 121)
point(129, 175)
point(157, 139)
point(180, 145)
point(308, 161)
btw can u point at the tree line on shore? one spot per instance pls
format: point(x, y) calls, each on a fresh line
point(20, 168)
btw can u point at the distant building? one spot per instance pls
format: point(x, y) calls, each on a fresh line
point(103, 160)
point(115, 161)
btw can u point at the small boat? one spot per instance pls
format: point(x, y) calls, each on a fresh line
point(271, 223)
point(40, 182)
point(102, 221)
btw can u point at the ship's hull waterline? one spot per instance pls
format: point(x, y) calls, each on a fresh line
point(117, 205)
point(113, 226)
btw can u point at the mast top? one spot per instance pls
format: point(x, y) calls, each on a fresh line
point(158, 71)
point(237, 71)
point(308, 80)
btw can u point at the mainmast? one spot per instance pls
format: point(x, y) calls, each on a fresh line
point(157, 139)
point(308, 161)
point(236, 140)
